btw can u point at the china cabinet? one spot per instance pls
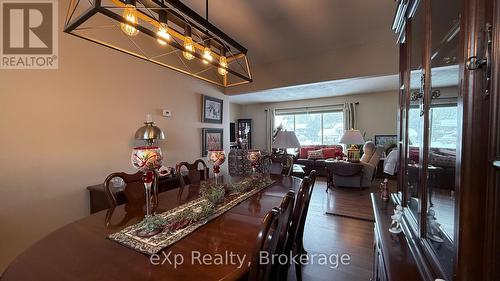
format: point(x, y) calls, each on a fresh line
point(448, 178)
point(245, 133)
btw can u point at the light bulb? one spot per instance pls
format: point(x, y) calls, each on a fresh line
point(130, 15)
point(207, 55)
point(222, 62)
point(163, 33)
point(188, 44)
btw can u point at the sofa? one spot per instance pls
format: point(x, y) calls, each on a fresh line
point(313, 157)
point(444, 159)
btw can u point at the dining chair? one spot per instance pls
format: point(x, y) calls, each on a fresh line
point(286, 162)
point(194, 175)
point(296, 227)
point(133, 189)
point(281, 164)
point(286, 211)
point(267, 241)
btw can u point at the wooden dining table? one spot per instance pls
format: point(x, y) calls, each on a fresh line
point(81, 250)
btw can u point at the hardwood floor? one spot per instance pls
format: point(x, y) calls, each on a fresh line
point(328, 234)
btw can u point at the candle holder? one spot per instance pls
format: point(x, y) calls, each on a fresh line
point(147, 159)
point(216, 158)
point(254, 155)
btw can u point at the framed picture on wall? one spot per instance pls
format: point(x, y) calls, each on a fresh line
point(212, 110)
point(385, 140)
point(212, 138)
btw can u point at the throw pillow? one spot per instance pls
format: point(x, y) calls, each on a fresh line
point(304, 150)
point(315, 154)
point(332, 152)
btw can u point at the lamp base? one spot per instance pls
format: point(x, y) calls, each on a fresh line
point(353, 154)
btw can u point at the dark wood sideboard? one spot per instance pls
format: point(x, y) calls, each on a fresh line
point(99, 202)
point(393, 258)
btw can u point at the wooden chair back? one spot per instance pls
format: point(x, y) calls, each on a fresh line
point(300, 212)
point(286, 211)
point(194, 174)
point(133, 190)
point(281, 164)
point(267, 241)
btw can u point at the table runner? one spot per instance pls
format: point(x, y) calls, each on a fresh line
point(152, 245)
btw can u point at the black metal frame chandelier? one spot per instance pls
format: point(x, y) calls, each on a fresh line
point(164, 32)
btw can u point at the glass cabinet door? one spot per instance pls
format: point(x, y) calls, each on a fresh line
point(443, 137)
point(414, 119)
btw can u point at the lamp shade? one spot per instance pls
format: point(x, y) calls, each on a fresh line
point(286, 139)
point(149, 132)
point(352, 137)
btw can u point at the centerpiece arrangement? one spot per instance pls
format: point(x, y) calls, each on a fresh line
point(216, 157)
point(254, 155)
point(148, 159)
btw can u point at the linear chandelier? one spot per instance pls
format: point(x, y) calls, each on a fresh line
point(164, 32)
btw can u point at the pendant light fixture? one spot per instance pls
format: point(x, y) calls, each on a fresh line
point(163, 28)
point(130, 16)
point(223, 62)
point(188, 44)
point(207, 53)
point(164, 32)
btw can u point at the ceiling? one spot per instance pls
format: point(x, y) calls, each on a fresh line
point(321, 90)
point(446, 76)
point(277, 30)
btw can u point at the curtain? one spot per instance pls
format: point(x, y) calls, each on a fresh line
point(269, 128)
point(350, 115)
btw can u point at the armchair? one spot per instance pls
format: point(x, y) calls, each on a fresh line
point(355, 174)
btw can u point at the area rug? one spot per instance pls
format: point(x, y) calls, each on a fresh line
point(352, 202)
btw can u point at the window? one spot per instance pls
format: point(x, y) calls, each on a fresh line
point(443, 119)
point(314, 127)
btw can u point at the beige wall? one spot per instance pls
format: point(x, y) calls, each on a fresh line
point(62, 130)
point(377, 113)
point(234, 112)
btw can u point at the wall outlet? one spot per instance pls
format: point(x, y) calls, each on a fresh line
point(166, 113)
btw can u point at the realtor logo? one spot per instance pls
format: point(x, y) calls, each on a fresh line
point(28, 34)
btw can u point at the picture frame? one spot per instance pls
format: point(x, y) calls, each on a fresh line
point(212, 110)
point(212, 138)
point(385, 140)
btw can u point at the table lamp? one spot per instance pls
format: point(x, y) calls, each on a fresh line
point(149, 132)
point(352, 137)
point(286, 139)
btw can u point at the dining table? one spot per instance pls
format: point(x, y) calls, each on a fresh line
point(221, 249)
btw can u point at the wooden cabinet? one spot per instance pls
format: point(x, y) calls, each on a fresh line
point(448, 137)
point(393, 257)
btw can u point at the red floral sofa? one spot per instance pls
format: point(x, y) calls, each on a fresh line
point(317, 162)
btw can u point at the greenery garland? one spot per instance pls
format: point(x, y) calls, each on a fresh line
point(213, 194)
